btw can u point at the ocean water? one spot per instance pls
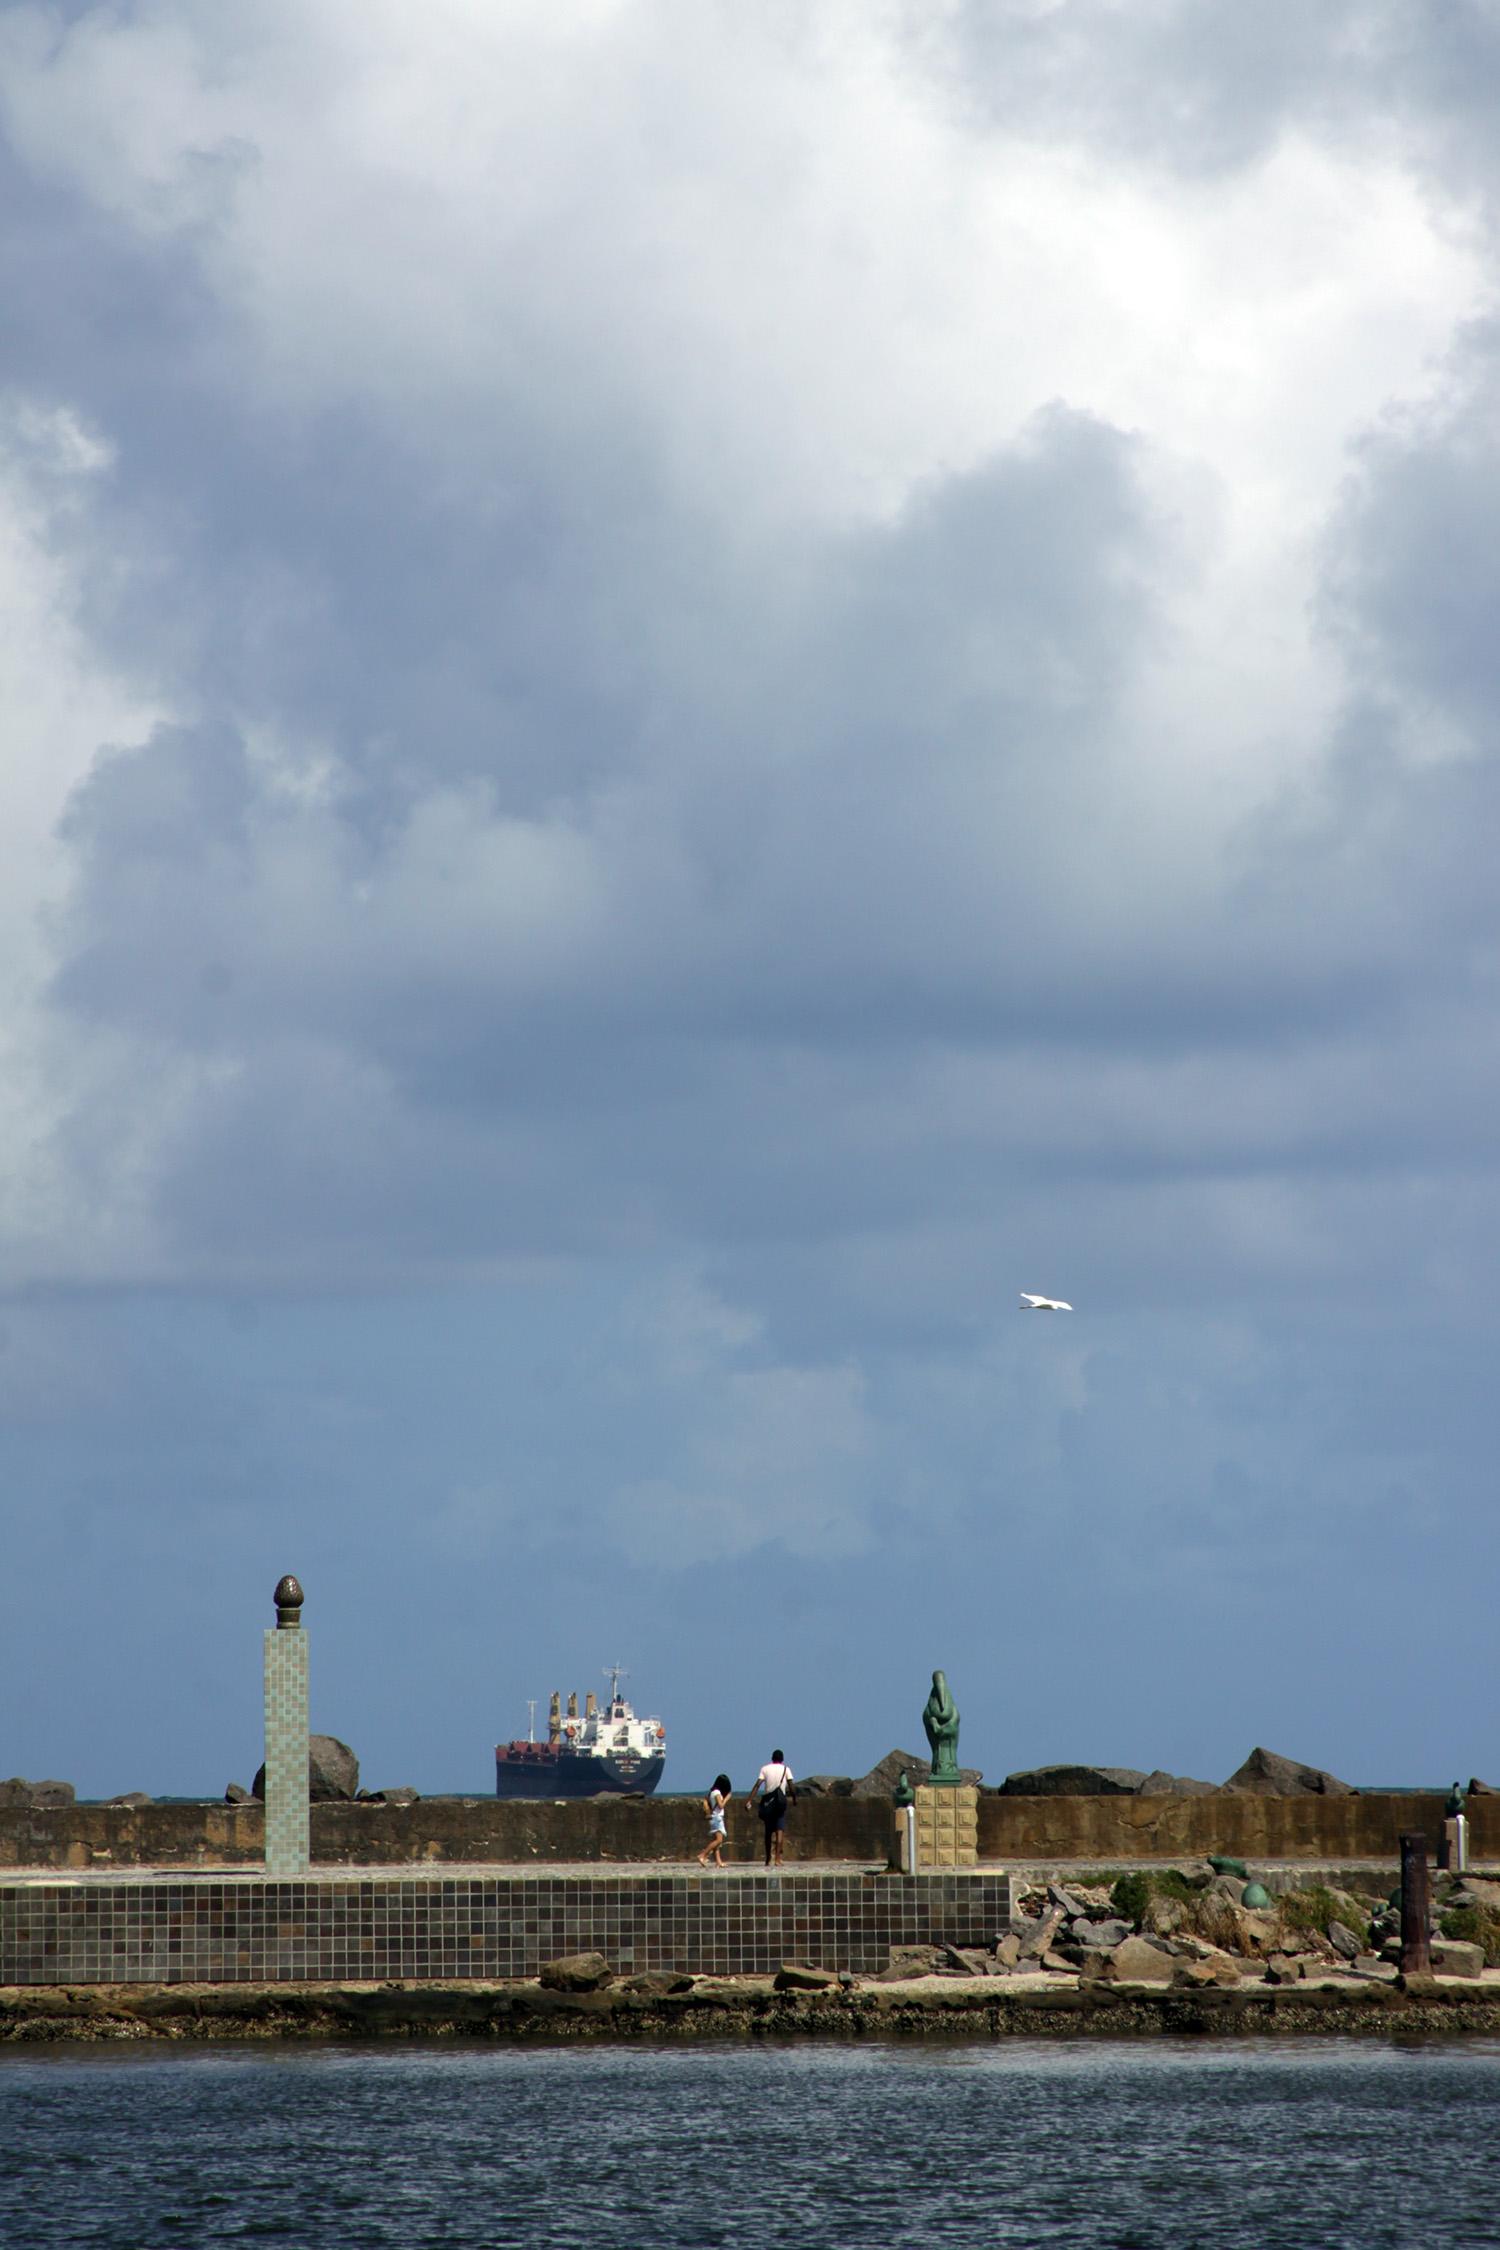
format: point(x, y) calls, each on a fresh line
point(1167, 2146)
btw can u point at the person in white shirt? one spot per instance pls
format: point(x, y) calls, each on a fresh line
point(776, 1789)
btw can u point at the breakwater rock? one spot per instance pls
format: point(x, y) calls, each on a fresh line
point(1265, 1773)
point(332, 1772)
point(35, 1795)
point(882, 1777)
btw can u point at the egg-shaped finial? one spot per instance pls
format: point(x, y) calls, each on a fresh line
point(289, 1600)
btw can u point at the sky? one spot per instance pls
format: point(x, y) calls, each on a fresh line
point(686, 692)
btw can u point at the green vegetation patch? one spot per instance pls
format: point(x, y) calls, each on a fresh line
point(1315, 1907)
point(1312, 1909)
point(1475, 1925)
point(1131, 1894)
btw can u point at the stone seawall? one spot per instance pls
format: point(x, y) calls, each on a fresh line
point(961, 2009)
point(463, 1831)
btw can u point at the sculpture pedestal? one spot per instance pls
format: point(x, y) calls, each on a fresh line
point(947, 1826)
point(1454, 1854)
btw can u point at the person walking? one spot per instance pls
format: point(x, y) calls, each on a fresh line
point(712, 1854)
point(777, 1790)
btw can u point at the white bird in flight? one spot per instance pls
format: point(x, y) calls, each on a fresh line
point(1043, 1304)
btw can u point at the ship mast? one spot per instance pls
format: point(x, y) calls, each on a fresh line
point(616, 1673)
point(531, 1719)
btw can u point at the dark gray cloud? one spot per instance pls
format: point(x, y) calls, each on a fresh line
point(1413, 575)
point(906, 863)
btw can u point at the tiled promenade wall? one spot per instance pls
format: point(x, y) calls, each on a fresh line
point(243, 1930)
point(463, 1831)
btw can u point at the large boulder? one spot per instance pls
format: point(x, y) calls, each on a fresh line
point(1073, 1781)
point(1137, 1961)
point(1108, 1932)
point(1265, 1773)
point(1161, 1784)
point(37, 1796)
point(332, 1772)
point(1199, 1975)
point(1456, 1957)
point(576, 1972)
point(907, 1961)
point(1474, 1890)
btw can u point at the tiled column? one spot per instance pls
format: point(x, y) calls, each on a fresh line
point(288, 1827)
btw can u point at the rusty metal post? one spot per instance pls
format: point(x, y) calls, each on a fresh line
point(1416, 1955)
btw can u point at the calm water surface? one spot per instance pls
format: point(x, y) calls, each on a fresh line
point(1100, 2147)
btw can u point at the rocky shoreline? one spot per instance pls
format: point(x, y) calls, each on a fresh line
point(710, 2008)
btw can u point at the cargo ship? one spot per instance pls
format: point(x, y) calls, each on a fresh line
point(608, 1752)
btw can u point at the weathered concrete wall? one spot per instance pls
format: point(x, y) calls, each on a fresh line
point(468, 1830)
point(1120, 1829)
point(437, 1831)
point(83, 1836)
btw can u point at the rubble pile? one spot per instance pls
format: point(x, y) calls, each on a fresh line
point(1191, 1928)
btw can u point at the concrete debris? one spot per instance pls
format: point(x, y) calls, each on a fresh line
point(796, 1976)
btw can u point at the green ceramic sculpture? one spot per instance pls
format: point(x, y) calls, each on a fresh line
point(940, 1718)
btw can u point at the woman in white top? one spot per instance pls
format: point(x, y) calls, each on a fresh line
point(777, 1791)
point(713, 1805)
